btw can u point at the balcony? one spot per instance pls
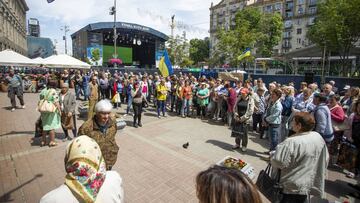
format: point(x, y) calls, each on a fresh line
point(286, 46)
point(286, 36)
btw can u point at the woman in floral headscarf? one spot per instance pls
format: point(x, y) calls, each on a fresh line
point(87, 179)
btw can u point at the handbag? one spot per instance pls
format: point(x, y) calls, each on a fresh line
point(45, 106)
point(340, 126)
point(67, 121)
point(269, 186)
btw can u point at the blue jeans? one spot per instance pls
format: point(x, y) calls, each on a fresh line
point(86, 93)
point(185, 104)
point(161, 106)
point(274, 135)
point(77, 91)
point(129, 104)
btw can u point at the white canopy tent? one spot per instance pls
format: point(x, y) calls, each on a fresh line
point(64, 61)
point(11, 58)
point(38, 60)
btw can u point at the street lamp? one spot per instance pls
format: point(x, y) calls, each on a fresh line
point(113, 12)
point(65, 29)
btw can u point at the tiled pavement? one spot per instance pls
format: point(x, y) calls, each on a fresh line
point(154, 166)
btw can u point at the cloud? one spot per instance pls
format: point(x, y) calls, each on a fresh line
point(155, 14)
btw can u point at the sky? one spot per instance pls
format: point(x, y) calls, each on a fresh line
point(152, 13)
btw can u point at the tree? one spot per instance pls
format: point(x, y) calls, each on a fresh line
point(337, 28)
point(178, 50)
point(199, 50)
point(252, 29)
point(271, 30)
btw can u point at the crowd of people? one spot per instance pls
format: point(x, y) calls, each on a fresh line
point(303, 125)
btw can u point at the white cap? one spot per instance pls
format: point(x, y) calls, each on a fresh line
point(103, 106)
point(347, 87)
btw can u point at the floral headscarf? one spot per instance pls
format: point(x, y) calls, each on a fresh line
point(85, 168)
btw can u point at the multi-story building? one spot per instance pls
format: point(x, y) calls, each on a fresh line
point(34, 27)
point(223, 15)
point(298, 16)
point(13, 25)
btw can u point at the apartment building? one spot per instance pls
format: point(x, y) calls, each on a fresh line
point(13, 25)
point(298, 16)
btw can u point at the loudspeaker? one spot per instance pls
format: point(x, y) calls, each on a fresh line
point(309, 77)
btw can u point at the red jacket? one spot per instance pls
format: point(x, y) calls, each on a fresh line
point(337, 113)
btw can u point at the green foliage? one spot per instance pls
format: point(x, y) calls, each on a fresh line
point(252, 29)
point(337, 27)
point(186, 62)
point(177, 49)
point(199, 50)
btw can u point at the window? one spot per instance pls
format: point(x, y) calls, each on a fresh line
point(312, 10)
point(277, 6)
point(299, 40)
point(298, 22)
point(312, 2)
point(300, 10)
point(268, 8)
point(289, 14)
point(311, 21)
point(300, 2)
point(288, 24)
point(299, 31)
point(289, 6)
point(287, 34)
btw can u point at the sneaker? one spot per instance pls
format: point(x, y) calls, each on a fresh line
point(136, 125)
point(236, 146)
point(243, 149)
point(159, 117)
point(13, 109)
point(139, 124)
point(23, 106)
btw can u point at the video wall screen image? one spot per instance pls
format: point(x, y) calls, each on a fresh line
point(124, 53)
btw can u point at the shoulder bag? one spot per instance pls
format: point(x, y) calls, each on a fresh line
point(269, 186)
point(45, 106)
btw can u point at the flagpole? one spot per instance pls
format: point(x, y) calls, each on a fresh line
point(115, 35)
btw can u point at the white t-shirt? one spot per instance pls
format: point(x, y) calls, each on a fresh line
point(110, 192)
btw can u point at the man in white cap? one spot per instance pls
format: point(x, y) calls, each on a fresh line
point(102, 128)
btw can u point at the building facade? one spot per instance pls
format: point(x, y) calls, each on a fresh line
point(13, 25)
point(298, 16)
point(34, 27)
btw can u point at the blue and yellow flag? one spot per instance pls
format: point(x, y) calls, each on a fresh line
point(165, 66)
point(245, 54)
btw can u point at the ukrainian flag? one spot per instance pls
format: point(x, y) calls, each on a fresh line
point(165, 66)
point(245, 54)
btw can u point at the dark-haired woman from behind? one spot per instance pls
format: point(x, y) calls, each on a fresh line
point(303, 159)
point(219, 184)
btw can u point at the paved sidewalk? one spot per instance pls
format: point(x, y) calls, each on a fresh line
point(151, 160)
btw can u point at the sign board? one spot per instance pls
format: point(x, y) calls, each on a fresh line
point(231, 76)
point(95, 55)
point(33, 21)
